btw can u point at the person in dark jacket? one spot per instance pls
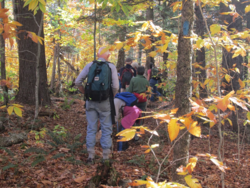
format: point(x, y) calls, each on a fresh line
point(128, 63)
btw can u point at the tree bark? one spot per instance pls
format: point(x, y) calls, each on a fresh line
point(140, 47)
point(52, 81)
point(183, 85)
point(200, 54)
point(149, 16)
point(121, 53)
point(3, 68)
point(37, 69)
point(27, 50)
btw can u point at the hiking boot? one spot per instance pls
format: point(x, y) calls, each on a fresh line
point(90, 161)
point(136, 138)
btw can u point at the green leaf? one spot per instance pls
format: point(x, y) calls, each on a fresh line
point(118, 8)
point(9, 166)
point(42, 2)
point(38, 160)
point(26, 3)
point(125, 10)
point(58, 155)
point(42, 7)
point(104, 4)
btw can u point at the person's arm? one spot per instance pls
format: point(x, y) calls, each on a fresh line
point(81, 77)
point(149, 72)
point(115, 81)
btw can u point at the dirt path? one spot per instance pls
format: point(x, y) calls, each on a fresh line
point(60, 162)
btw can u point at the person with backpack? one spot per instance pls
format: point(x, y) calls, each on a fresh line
point(101, 87)
point(126, 74)
point(138, 86)
point(153, 77)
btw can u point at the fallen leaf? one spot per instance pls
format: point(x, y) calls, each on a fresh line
point(80, 179)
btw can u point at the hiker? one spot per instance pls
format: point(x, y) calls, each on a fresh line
point(135, 66)
point(102, 85)
point(153, 77)
point(126, 73)
point(138, 86)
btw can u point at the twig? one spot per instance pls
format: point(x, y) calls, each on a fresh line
point(28, 51)
point(218, 87)
point(31, 15)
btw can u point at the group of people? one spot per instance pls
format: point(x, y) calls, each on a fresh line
point(104, 83)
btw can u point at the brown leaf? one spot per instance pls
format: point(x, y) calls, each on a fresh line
point(66, 150)
point(46, 182)
point(80, 179)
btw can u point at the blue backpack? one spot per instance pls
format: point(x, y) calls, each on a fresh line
point(99, 80)
point(129, 98)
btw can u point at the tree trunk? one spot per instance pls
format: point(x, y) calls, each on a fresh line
point(27, 50)
point(121, 53)
point(53, 75)
point(183, 85)
point(3, 68)
point(140, 47)
point(228, 61)
point(149, 16)
point(37, 69)
point(200, 54)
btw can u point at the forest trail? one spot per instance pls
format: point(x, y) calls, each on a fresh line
point(64, 163)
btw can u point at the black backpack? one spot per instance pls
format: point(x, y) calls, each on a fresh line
point(126, 76)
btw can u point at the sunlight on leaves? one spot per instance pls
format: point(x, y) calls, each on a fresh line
point(173, 129)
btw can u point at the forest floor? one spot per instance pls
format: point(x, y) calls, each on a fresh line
point(57, 159)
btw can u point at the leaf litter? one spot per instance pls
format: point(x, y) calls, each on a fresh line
point(130, 164)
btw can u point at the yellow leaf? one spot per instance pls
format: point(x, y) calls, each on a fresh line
point(173, 111)
point(242, 84)
point(127, 48)
point(152, 54)
point(192, 182)
point(18, 111)
point(18, 105)
point(42, 1)
point(147, 151)
point(10, 109)
point(215, 28)
point(194, 129)
point(173, 129)
point(138, 182)
point(145, 26)
point(16, 23)
point(228, 78)
point(2, 107)
point(247, 9)
point(126, 135)
point(119, 45)
point(191, 165)
point(231, 107)
point(219, 164)
point(200, 43)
